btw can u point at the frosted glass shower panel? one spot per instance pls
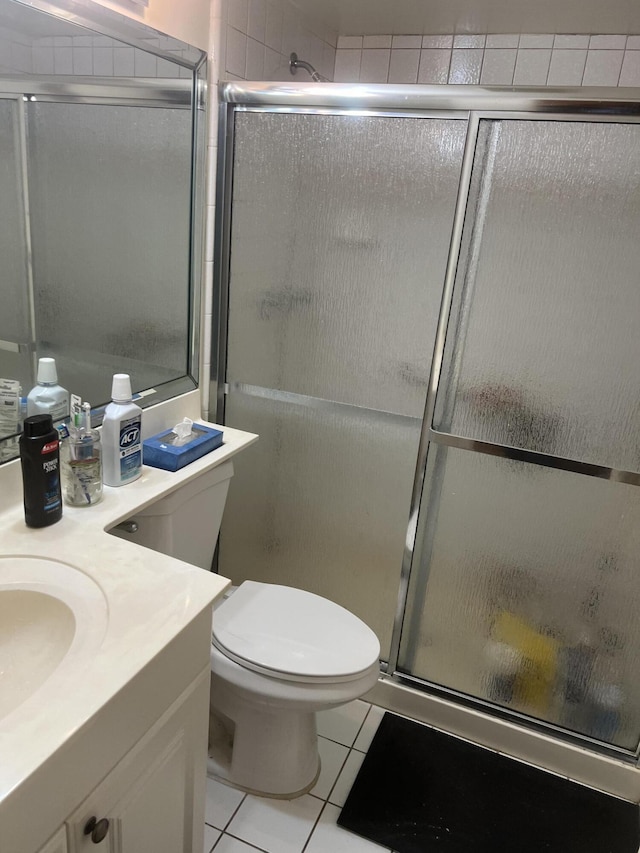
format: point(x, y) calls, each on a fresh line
point(544, 347)
point(321, 503)
point(15, 327)
point(340, 233)
point(110, 200)
point(524, 592)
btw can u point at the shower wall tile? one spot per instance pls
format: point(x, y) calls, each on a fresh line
point(259, 36)
point(498, 59)
point(498, 66)
point(374, 67)
point(466, 65)
point(630, 73)
point(434, 65)
point(403, 66)
point(567, 67)
point(603, 68)
point(532, 67)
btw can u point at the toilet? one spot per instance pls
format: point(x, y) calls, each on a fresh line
point(278, 654)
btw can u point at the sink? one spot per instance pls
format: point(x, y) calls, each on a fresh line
point(52, 618)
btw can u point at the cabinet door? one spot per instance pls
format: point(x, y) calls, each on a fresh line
point(151, 799)
point(57, 844)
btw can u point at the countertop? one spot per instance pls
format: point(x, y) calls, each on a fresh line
point(149, 597)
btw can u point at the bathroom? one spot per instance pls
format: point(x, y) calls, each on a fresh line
point(252, 41)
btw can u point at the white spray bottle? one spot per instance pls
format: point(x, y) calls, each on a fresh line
point(121, 435)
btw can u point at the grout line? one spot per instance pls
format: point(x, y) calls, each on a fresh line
point(317, 821)
point(237, 838)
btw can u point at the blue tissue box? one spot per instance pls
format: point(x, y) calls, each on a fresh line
point(170, 453)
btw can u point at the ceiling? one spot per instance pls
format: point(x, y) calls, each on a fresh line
point(406, 17)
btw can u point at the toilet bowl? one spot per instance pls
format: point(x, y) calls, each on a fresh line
point(278, 654)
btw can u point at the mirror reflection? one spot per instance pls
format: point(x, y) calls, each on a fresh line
point(96, 174)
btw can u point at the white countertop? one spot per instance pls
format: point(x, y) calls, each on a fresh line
point(150, 598)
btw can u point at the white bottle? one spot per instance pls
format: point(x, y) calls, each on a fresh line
point(121, 435)
point(47, 397)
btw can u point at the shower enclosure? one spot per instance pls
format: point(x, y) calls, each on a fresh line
point(429, 303)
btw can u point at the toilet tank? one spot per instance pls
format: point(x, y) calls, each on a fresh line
point(184, 524)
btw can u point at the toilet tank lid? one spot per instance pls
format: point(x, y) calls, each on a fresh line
point(294, 632)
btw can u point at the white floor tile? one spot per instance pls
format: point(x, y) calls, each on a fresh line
point(222, 801)
point(332, 757)
point(232, 845)
point(277, 826)
point(346, 778)
point(328, 837)
point(370, 727)
point(211, 835)
point(343, 724)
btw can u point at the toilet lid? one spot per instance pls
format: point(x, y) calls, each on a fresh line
point(293, 633)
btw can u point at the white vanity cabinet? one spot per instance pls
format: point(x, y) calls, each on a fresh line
point(57, 844)
point(153, 799)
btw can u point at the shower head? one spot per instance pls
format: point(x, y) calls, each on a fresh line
point(295, 63)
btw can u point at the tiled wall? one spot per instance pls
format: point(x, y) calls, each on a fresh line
point(85, 56)
point(261, 34)
point(518, 60)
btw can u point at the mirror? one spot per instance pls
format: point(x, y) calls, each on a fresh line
point(101, 161)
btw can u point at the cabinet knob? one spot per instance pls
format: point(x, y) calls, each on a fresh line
point(97, 829)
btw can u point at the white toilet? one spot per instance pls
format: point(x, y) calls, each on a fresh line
point(278, 654)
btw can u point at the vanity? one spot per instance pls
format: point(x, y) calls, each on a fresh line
point(104, 741)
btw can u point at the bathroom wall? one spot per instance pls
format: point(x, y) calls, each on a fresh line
point(504, 60)
point(187, 20)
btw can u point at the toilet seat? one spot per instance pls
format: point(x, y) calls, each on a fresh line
point(293, 635)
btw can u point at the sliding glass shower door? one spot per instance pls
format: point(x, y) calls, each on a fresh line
point(340, 227)
point(524, 589)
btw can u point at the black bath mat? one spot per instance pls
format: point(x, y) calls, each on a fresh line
point(421, 791)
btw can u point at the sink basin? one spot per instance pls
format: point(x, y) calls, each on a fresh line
point(52, 618)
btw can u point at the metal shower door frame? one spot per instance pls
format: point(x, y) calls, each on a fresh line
point(475, 103)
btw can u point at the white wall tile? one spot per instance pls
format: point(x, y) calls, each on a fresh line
point(273, 28)
point(63, 60)
point(257, 24)
point(43, 61)
point(374, 67)
point(164, 67)
point(347, 69)
point(236, 54)
point(123, 62)
point(349, 42)
point(469, 41)
point(238, 14)
point(406, 42)
point(255, 60)
point(437, 41)
point(603, 67)
point(536, 41)
point(273, 64)
point(630, 74)
point(376, 41)
point(103, 61)
point(565, 42)
point(434, 65)
point(144, 64)
point(403, 66)
point(502, 40)
point(465, 65)
point(498, 66)
point(567, 67)
point(532, 67)
point(83, 61)
point(607, 42)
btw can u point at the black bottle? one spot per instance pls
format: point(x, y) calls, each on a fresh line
point(40, 459)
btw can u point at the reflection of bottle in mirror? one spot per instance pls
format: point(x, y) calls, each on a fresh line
point(47, 397)
point(40, 459)
point(121, 435)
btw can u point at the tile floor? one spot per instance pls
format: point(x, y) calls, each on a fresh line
point(241, 823)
